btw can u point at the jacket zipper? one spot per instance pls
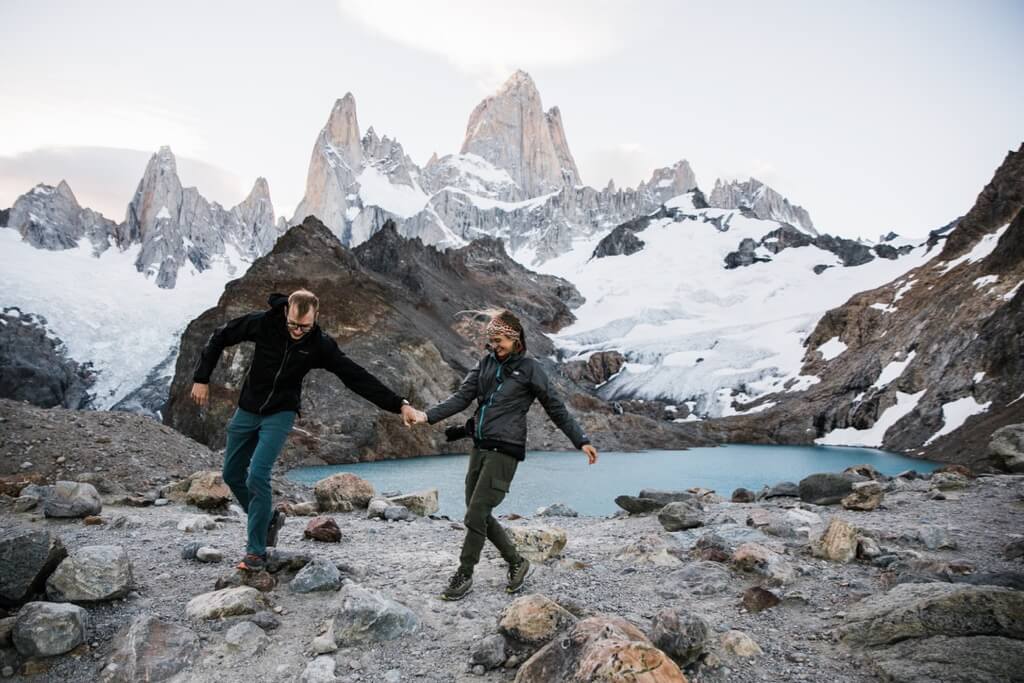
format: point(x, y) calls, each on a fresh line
point(483, 409)
point(274, 385)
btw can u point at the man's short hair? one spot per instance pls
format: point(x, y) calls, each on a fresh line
point(304, 300)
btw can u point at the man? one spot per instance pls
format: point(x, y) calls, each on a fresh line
point(289, 343)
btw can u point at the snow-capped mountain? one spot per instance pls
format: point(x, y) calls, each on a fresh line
point(762, 201)
point(514, 178)
point(694, 328)
point(664, 268)
point(178, 228)
point(50, 217)
point(118, 295)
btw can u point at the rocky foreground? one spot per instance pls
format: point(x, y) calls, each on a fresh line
point(842, 577)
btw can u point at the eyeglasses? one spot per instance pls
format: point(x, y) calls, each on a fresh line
point(299, 327)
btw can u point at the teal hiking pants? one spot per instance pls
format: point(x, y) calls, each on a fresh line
point(253, 444)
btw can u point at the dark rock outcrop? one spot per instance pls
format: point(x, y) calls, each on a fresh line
point(414, 317)
point(954, 326)
point(35, 367)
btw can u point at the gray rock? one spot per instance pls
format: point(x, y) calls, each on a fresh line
point(44, 629)
point(27, 558)
point(365, 615)
point(783, 489)
point(1006, 448)
point(318, 575)
point(150, 650)
point(286, 560)
point(557, 510)
point(420, 503)
point(742, 495)
point(950, 660)
point(376, 508)
point(681, 634)
point(489, 652)
point(227, 602)
point(681, 515)
point(320, 670)
point(827, 488)
point(923, 610)
point(936, 537)
point(91, 574)
point(71, 499)
point(397, 513)
point(638, 506)
point(265, 619)
point(208, 554)
point(246, 638)
point(189, 550)
point(25, 503)
point(666, 497)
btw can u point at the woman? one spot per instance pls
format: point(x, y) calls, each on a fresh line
point(505, 382)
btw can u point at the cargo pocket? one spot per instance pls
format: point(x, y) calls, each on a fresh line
point(500, 484)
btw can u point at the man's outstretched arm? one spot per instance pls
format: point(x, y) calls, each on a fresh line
point(359, 380)
point(232, 332)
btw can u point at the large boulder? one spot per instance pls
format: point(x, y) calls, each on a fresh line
point(944, 658)
point(228, 602)
point(827, 488)
point(921, 610)
point(27, 558)
point(422, 503)
point(45, 629)
point(681, 515)
point(366, 615)
point(72, 499)
point(533, 620)
point(342, 492)
point(601, 648)
point(149, 650)
point(93, 573)
point(680, 633)
point(537, 543)
point(1006, 448)
point(940, 631)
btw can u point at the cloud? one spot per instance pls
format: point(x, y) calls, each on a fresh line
point(626, 163)
point(105, 178)
point(490, 40)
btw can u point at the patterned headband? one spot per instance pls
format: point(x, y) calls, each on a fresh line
point(497, 326)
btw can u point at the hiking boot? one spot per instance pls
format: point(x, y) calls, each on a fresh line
point(458, 586)
point(276, 522)
point(252, 563)
point(518, 571)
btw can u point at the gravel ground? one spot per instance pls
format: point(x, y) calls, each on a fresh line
point(410, 561)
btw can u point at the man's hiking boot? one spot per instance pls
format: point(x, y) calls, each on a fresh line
point(518, 572)
point(252, 563)
point(458, 586)
point(276, 522)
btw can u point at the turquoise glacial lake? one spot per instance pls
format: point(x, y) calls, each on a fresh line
point(564, 477)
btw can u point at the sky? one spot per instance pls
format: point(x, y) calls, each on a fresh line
point(874, 116)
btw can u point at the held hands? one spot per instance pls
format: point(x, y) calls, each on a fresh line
point(411, 416)
point(591, 453)
point(200, 394)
